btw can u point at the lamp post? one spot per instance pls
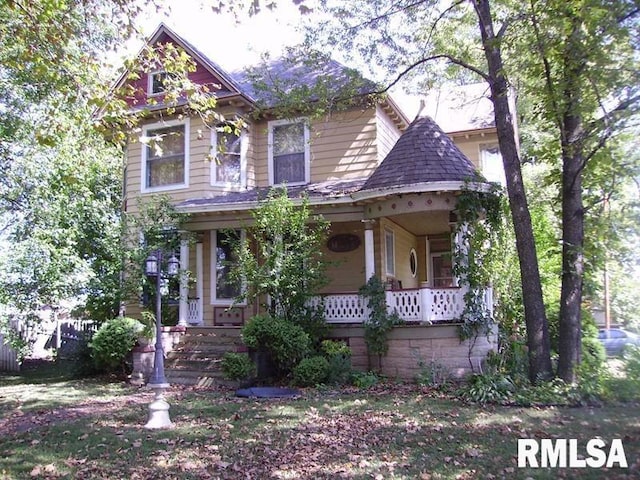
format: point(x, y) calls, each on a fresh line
point(159, 407)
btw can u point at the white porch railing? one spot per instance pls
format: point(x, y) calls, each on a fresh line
point(343, 307)
point(193, 311)
point(430, 305)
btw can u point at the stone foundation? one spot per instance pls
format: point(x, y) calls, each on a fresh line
point(409, 345)
point(143, 355)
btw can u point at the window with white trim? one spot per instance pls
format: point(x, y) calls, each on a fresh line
point(156, 82)
point(491, 164)
point(390, 252)
point(289, 152)
point(225, 289)
point(165, 156)
point(228, 167)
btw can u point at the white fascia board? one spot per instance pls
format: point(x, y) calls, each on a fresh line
point(427, 187)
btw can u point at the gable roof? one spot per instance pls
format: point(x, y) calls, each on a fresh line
point(285, 72)
point(423, 154)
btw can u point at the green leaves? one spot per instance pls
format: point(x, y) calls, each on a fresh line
point(281, 256)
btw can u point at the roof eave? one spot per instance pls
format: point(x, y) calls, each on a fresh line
point(252, 205)
point(425, 187)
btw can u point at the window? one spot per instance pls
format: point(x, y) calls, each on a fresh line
point(289, 155)
point(156, 84)
point(228, 166)
point(413, 262)
point(390, 260)
point(165, 156)
point(491, 164)
point(225, 289)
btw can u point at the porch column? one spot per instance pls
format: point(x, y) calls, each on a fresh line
point(183, 306)
point(199, 282)
point(369, 252)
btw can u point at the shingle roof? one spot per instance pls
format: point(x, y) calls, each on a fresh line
point(330, 189)
point(423, 154)
point(270, 82)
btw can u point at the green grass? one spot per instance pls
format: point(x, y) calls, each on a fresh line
point(391, 432)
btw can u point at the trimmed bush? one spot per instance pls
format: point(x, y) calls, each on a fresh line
point(285, 342)
point(311, 371)
point(237, 366)
point(338, 355)
point(113, 341)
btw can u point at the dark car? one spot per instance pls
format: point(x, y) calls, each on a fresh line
point(616, 339)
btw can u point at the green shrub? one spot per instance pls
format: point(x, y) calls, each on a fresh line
point(554, 392)
point(631, 363)
point(488, 388)
point(237, 366)
point(338, 355)
point(113, 341)
point(592, 371)
point(311, 371)
point(365, 380)
point(286, 343)
point(432, 374)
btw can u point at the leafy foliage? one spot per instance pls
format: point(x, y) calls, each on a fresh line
point(488, 388)
point(338, 355)
point(286, 342)
point(432, 374)
point(113, 342)
point(311, 371)
point(365, 380)
point(237, 366)
point(281, 257)
point(380, 321)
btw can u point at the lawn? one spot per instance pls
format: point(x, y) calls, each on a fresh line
point(54, 427)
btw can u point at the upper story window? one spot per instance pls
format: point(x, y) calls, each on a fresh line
point(229, 165)
point(165, 156)
point(156, 84)
point(289, 153)
point(491, 164)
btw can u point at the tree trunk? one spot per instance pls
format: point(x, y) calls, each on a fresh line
point(569, 341)
point(570, 329)
point(535, 317)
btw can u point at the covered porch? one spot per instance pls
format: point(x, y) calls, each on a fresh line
point(405, 240)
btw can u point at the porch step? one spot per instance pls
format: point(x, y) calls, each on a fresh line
point(196, 359)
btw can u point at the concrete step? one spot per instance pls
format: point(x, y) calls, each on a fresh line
point(196, 358)
point(204, 364)
point(210, 350)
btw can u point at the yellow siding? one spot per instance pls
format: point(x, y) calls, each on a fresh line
point(388, 134)
point(346, 270)
point(403, 242)
point(469, 144)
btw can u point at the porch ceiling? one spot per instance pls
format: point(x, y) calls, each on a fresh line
point(423, 223)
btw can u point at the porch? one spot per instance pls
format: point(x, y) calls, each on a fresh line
point(414, 305)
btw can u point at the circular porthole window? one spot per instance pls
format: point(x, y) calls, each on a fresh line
point(413, 262)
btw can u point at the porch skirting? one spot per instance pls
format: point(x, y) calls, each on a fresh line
point(411, 344)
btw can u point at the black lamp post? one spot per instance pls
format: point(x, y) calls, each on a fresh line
point(159, 408)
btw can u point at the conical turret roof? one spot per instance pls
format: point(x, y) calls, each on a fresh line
point(423, 154)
